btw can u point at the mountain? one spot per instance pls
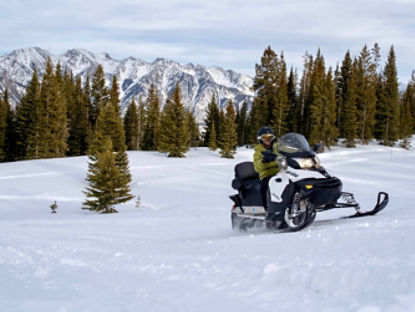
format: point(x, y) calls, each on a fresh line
point(198, 83)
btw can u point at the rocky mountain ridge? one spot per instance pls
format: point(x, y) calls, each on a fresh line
point(198, 83)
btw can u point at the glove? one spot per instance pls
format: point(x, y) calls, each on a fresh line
point(268, 156)
point(282, 162)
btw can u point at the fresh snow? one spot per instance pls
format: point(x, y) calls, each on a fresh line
point(177, 252)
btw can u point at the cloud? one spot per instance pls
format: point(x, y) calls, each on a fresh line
point(228, 33)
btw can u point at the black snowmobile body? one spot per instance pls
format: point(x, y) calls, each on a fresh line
point(300, 190)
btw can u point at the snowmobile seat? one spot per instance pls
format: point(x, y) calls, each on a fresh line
point(245, 175)
point(248, 184)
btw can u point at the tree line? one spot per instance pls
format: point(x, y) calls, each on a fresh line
point(356, 102)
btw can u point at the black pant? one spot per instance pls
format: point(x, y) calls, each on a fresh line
point(264, 190)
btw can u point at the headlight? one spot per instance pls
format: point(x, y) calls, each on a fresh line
point(308, 163)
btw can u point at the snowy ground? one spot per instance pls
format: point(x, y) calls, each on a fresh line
point(177, 251)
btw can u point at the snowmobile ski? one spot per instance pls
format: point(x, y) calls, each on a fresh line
point(382, 201)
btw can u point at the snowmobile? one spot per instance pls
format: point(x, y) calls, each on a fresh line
point(301, 188)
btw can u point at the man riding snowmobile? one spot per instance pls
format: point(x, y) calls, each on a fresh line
point(267, 166)
point(288, 179)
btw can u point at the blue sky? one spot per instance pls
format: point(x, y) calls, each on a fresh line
point(228, 33)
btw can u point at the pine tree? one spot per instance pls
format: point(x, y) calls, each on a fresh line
point(53, 124)
point(109, 125)
point(174, 139)
point(343, 91)
point(253, 122)
point(141, 112)
point(281, 107)
point(27, 115)
point(292, 100)
point(104, 181)
point(242, 124)
point(302, 108)
point(3, 129)
point(10, 144)
point(99, 95)
point(212, 118)
point(152, 120)
point(88, 103)
point(365, 95)
point(229, 136)
point(131, 127)
point(78, 133)
point(328, 126)
point(317, 101)
point(350, 110)
point(212, 144)
point(388, 110)
point(266, 84)
point(114, 96)
point(406, 122)
point(191, 124)
point(412, 100)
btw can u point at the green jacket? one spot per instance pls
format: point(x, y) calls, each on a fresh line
point(265, 169)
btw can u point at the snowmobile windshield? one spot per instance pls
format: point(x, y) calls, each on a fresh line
point(294, 145)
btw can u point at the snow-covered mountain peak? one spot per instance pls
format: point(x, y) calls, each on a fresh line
point(198, 83)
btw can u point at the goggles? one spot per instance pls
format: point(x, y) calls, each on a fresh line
point(266, 137)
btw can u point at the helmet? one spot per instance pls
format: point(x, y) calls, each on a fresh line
point(265, 133)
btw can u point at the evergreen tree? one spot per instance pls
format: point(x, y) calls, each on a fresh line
point(122, 162)
point(280, 110)
point(406, 121)
point(412, 100)
point(328, 126)
point(350, 110)
point(114, 96)
point(212, 118)
point(3, 129)
point(10, 144)
point(220, 127)
point(344, 94)
point(292, 100)
point(109, 125)
point(131, 127)
point(152, 120)
point(105, 181)
point(228, 136)
point(141, 111)
point(27, 115)
point(317, 101)
point(78, 133)
point(89, 109)
point(242, 124)
point(99, 95)
point(53, 124)
point(366, 78)
point(174, 139)
point(213, 145)
point(302, 108)
point(191, 124)
point(266, 83)
point(253, 122)
point(388, 109)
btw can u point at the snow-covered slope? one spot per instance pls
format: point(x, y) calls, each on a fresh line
point(197, 83)
point(176, 252)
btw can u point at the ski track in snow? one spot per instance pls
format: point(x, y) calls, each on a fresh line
point(178, 253)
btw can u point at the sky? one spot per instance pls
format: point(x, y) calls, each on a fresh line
point(231, 34)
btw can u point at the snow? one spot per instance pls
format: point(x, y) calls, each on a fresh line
point(177, 252)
